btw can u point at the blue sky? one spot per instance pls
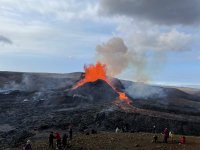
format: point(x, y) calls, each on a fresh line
point(61, 36)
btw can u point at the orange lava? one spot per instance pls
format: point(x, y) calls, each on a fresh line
point(123, 97)
point(98, 71)
point(93, 73)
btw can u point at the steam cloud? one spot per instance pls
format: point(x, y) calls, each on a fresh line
point(145, 91)
point(33, 82)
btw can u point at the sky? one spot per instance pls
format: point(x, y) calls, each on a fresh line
point(155, 41)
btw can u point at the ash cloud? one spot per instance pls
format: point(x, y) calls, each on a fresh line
point(169, 12)
point(5, 40)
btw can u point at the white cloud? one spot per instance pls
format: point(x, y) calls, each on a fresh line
point(41, 26)
point(38, 26)
point(147, 46)
point(55, 10)
point(39, 37)
point(143, 36)
point(161, 41)
point(174, 40)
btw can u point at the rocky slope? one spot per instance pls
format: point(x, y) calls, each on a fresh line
point(31, 102)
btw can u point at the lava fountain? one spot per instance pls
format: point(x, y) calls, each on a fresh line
point(98, 71)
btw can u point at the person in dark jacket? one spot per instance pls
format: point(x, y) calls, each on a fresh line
point(70, 132)
point(155, 138)
point(64, 140)
point(51, 137)
point(166, 135)
point(154, 129)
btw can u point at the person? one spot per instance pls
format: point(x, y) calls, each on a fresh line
point(155, 138)
point(117, 130)
point(154, 129)
point(64, 140)
point(58, 140)
point(70, 132)
point(93, 131)
point(171, 135)
point(166, 135)
point(28, 145)
point(51, 137)
point(182, 140)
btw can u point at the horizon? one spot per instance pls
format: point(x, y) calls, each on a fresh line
point(144, 44)
point(147, 83)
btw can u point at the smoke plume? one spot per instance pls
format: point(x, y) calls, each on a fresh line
point(143, 53)
point(118, 58)
point(114, 54)
point(145, 91)
point(34, 82)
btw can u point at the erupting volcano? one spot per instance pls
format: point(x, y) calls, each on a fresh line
point(93, 73)
point(98, 72)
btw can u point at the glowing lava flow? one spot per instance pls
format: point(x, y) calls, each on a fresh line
point(98, 71)
point(93, 73)
point(123, 97)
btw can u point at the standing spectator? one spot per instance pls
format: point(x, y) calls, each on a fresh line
point(117, 130)
point(182, 140)
point(171, 135)
point(58, 140)
point(51, 137)
point(155, 139)
point(154, 129)
point(166, 135)
point(27, 146)
point(70, 132)
point(64, 140)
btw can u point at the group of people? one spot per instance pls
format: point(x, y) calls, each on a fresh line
point(166, 135)
point(60, 142)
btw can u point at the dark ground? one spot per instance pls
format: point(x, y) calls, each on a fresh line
point(117, 141)
point(34, 103)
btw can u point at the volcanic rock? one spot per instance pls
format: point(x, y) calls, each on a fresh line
point(30, 101)
point(116, 83)
point(98, 91)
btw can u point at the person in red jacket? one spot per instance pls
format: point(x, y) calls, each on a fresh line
point(182, 140)
point(58, 140)
point(166, 135)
